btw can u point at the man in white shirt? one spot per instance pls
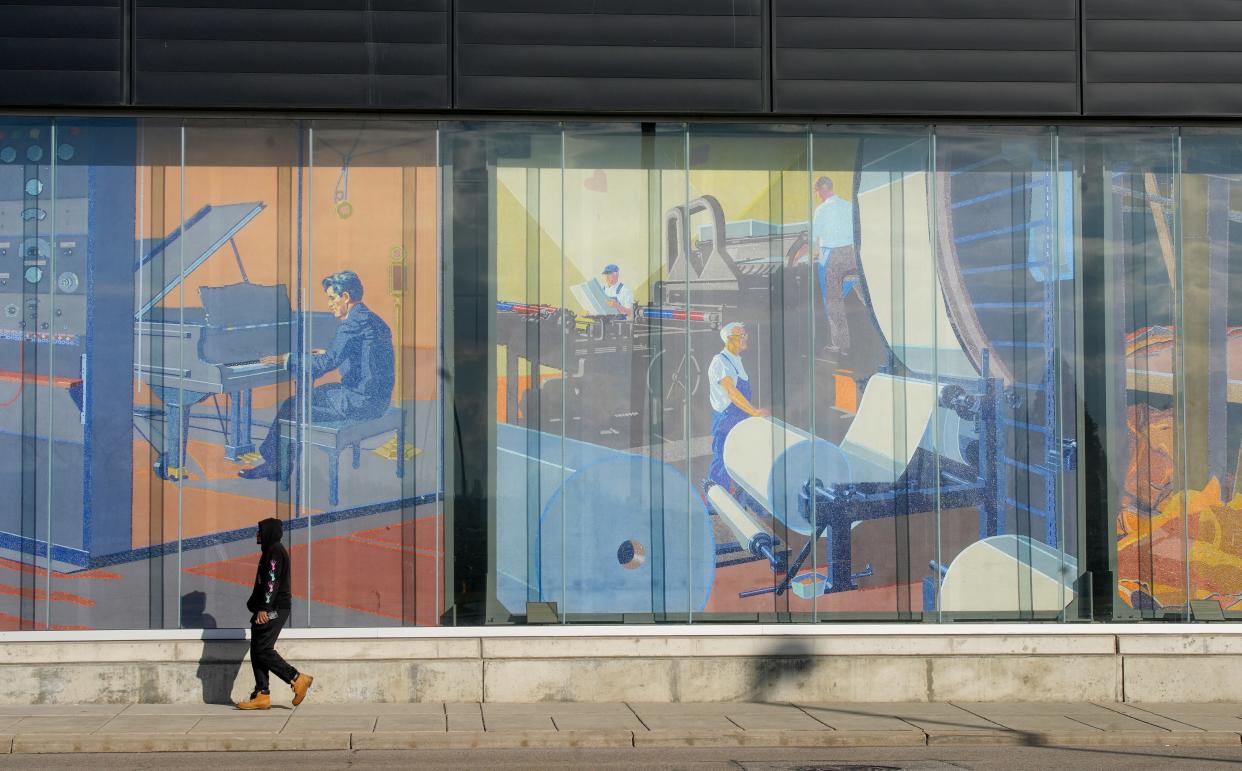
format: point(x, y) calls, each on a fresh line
point(730, 395)
point(620, 297)
point(832, 229)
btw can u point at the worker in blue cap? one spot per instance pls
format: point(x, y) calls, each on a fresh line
point(730, 394)
point(620, 297)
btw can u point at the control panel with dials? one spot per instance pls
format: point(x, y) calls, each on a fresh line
point(44, 237)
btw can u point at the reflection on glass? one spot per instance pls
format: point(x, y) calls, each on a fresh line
point(716, 372)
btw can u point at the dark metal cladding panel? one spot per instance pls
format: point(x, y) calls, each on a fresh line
point(894, 57)
point(1144, 58)
point(61, 52)
point(611, 55)
point(317, 54)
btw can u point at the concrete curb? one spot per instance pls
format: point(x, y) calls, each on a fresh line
point(455, 740)
point(777, 737)
point(1084, 739)
point(206, 742)
point(50, 743)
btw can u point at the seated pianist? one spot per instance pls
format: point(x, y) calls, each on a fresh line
point(361, 350)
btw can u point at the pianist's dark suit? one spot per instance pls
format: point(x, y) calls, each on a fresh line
point(362, 351)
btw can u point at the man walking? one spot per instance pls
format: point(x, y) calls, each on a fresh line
point(270, 603)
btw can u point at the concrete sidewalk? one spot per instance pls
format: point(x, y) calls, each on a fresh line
point(198, 728)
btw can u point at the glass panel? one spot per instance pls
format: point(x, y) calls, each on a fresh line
point(754, 450)
point(227, 300)
point(1211, 363)
point(876, 375)
point(622, 509)
point(1127, 233)
point(368, 471)
point(1000, 202)
point(90, 224)
point(27, 394)
point(520, 219)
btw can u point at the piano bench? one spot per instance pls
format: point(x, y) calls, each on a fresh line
point(335, 436)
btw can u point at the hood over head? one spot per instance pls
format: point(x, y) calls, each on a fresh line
point(270, 532)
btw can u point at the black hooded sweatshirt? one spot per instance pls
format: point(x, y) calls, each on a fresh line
point(271, 581)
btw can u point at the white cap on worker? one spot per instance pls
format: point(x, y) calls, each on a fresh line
point(727, 330)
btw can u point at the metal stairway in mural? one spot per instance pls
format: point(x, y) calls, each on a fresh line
point(1004, 233)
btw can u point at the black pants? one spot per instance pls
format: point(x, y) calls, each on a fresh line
point(263, 655)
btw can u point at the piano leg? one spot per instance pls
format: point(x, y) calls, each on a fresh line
point(238, 442)
point(177, 406)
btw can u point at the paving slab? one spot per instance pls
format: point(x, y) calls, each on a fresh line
point(61, 710)
point(149, 724)
point(396, 740)
point(84, 724)
point(69, 743)
point(243, 724)
point(464, 717)
point(1207, 717)
point(400, 723)
point(201, 710)
point(597, 722)
point(375, 709)
point(1151, 718)
point(1034, 718)
point(856, 717)
point(723, 717)
point(518, 723)
point(8, 722)
point(330, 723)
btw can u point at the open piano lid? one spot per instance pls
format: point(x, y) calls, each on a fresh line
point(202, 235)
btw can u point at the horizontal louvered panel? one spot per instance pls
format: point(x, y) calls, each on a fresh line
point(61, 53)
point(871, 64)
point(929, 9)
point(615, 94)
point(916, 97)
point(269, 53)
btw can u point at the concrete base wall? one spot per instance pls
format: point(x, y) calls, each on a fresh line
point(619, 665)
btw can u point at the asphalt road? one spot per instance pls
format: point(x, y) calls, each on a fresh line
point(877, 759)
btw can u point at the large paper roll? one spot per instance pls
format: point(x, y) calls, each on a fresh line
point(773, 461)
point(743, 525)
point(890, 425)
point(626, 534)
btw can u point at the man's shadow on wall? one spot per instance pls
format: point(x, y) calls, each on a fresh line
point(222, 655)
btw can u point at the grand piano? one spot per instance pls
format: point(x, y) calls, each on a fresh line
point(189, 354)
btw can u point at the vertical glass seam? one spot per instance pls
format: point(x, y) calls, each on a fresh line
point(932, 159)
point(51, 372)
point(181, 369)
point(816, 585)
point(564, 378)
point(304, 397)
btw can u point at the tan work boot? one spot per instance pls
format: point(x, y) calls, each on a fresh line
point(300, 685)
point(256, 701)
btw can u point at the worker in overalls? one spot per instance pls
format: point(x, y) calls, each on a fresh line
point(730, 394)
point(620, 297)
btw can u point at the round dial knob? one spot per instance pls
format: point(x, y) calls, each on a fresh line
point(8, 155)
point(34, 274)
point(67, 282)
